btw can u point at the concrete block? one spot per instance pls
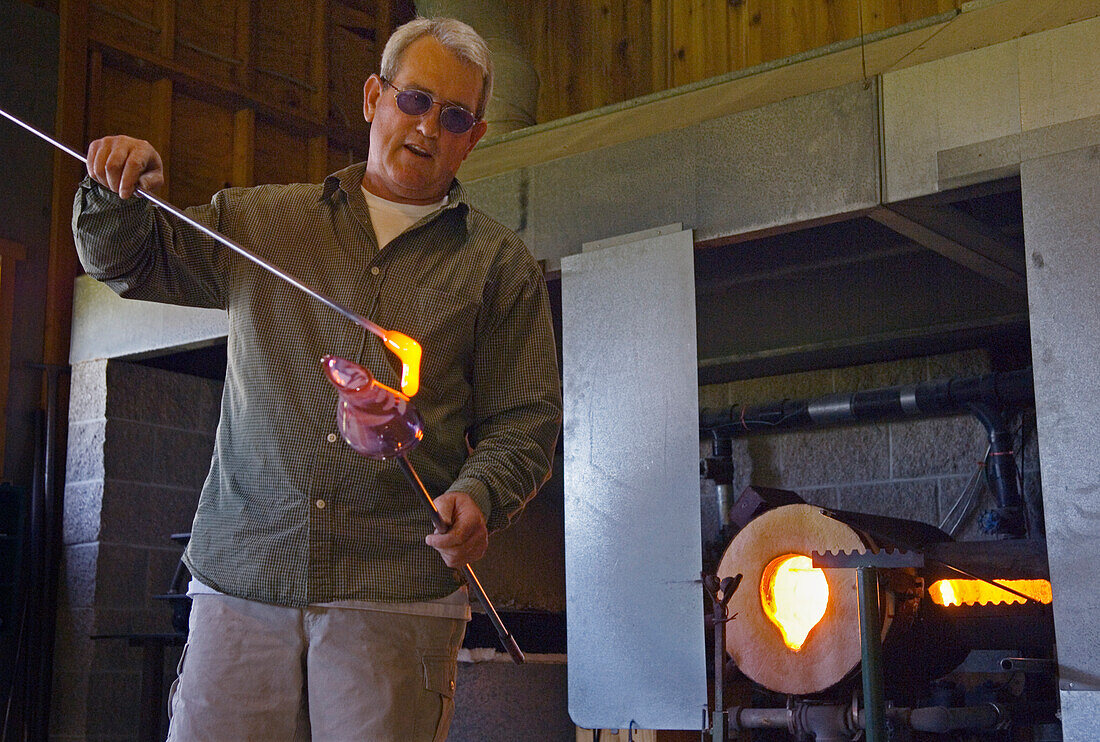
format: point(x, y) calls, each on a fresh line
point(939, 446)
point(144, 515)
point(130, 452)
point(965, 363)
point(750, 177)
point(84, 457)
point(880, 375)
point(78, 576)
point(151, 395)
point(183, 457)
point(88, 391)
point(68, 705)
point(913, 500)
point(121, 577)
point(114, 703)
point(140, 514)
point(768, 389)
point(73, 647)
point(821, 457)
point(82, 518)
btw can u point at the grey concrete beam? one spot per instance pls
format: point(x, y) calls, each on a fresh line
point(108, 326)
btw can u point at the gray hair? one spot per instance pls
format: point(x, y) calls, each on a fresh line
point(456, 37)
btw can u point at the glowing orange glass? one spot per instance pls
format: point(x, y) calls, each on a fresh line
point(794, 595)
point(977, 592)
point(409, 353)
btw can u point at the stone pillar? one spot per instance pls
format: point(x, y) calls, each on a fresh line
point(1061, 204)
point(139, 448)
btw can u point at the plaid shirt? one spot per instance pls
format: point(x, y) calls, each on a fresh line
point(289, 513)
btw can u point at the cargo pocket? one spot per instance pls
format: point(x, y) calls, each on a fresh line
point(439, 678)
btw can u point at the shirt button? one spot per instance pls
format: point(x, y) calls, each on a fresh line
point(374, 271)
point(321, 504)
point(331, 437)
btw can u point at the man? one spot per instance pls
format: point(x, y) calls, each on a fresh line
point(320, 606)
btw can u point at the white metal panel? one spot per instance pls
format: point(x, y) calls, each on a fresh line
point(633, 554)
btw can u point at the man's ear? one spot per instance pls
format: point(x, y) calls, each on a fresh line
point(476, 134)
point(372, 90)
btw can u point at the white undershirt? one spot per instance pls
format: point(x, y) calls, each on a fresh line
point(391, 218)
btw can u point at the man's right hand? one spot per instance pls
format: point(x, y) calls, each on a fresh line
point(124, 164)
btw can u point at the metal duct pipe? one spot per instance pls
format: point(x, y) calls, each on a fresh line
point(982, 396)
point(515, 81)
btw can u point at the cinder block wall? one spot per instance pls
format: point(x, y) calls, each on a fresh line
point(139, 448)
point(914, 469)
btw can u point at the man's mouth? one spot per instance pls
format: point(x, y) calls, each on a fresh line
point(418, 151)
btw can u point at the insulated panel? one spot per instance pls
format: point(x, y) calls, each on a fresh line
point(634, 603)
point(1061, 231)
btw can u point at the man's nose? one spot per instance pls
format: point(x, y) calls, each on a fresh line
point(428, 122)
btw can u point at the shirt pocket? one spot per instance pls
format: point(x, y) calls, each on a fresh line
point(444, 324)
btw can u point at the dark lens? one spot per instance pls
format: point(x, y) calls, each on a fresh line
point(413, 102)
point(456, 120)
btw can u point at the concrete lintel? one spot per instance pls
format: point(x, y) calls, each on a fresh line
point(996, 158)
point(108, 326)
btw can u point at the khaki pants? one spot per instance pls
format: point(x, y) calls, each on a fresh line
point(252, 671)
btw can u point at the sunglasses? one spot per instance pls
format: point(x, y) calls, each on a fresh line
point(412, 102)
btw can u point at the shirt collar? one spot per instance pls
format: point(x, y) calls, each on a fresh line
point(350, 179)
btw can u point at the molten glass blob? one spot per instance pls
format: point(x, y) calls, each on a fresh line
point(794, 595)
point(976, 592)
point(376, 421)
point(408, 350)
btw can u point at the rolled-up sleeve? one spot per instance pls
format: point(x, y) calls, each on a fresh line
point(142, 253)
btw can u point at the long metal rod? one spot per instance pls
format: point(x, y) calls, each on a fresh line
point(506, 638)
point(231, 244)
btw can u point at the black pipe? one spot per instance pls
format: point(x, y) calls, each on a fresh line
point(927, 399)
point(982, 396)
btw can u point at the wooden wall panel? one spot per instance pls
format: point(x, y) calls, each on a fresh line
point(587, 53)
point(118, 103)
point(201, 150)
point(280, 156)
point(212, 38)
point(282, 64)
point(132, 24)
point(592, 53)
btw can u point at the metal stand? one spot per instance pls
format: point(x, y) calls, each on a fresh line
point(437, 520)
point(720, 594)
point(870, 629)
point(867, 565)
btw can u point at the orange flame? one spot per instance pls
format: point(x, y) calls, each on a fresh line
point(976, 592)
point(794, 595)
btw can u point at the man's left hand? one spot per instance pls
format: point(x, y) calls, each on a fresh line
point(467, 539)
